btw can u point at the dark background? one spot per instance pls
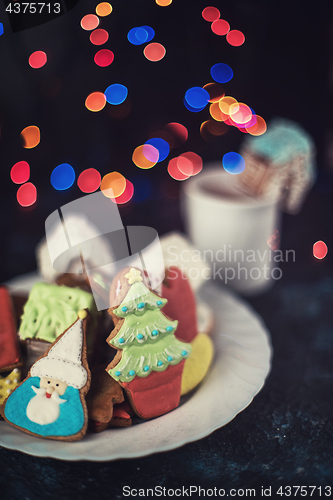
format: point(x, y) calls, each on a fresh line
point(285, 436)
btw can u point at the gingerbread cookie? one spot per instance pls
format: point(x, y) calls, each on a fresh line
point(103, 402)
point(181, 303)
point(149, 362)
point(10, 356)
point(9, 383)
point(51, 309)
point(50, 402)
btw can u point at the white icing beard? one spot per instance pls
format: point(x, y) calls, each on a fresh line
point(43, 410)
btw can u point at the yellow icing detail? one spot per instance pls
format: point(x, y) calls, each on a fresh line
point(197, 365)
point(133, 275)
point(82, 314)
point(12, 380)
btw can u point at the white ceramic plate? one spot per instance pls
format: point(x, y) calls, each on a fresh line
point(241, 364)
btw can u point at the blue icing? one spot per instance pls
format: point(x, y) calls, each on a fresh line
point(69, 422)
point(283, 140)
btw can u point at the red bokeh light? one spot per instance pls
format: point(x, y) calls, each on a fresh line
point(20, 172)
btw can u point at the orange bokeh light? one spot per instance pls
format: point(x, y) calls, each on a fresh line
point(163, 3)
point(140, 159)
point(103, 9)
point(30, 137)
point(215, 91)
point(95, 101)
point(258, 128)
point(226, 102)
point(113, 185)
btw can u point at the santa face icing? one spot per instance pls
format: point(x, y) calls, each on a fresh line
point(53, 385)
point(44, 407)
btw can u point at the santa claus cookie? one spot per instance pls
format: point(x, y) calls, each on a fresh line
point(50, 402)
point(150, 359)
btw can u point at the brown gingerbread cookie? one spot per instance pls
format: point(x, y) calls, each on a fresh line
point(50, 402)
point(104, 402)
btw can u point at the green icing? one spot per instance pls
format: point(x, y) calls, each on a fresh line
point(134, 359)
point(144, 325)
point(138, 294)
point(51, 309)
point(149, 352)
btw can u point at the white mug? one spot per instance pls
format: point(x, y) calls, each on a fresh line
point(232, 230)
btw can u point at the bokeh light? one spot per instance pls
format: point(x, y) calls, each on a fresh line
point(179, 132)
point(150, 31)
point(161, 145)
point(220, 27)
point(89, 180)
point(1, 29)
point(189, 163)
point(191, 108)
point(258, 128)
point(151, 153)
point(37, 59)
point(116, 93)
point(163, 3)
point(26, 194)
point(235, 38)
point(137, 36)
point(320, 250)
point(225, 104)
point(216, 113)
point(95, 101)
point(103, 9)
point(240, 113)
point(197, 97)
point(215, 91)
point(20, 172)
point(30, 137)
point(210, 14)
point(63, 177)
point(221, 72)
point(126, 196)
point(140, 154)
point(233, 163)
point(174, 171)
point(154, 52)
point(89, 22)
point(99, 36)
point(104, 57)
point(214, 128)
point(113, 185)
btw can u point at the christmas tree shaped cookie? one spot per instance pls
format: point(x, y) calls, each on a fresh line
point(150, 359)
point(50, 402)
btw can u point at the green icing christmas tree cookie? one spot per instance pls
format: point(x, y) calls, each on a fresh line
point(150, 359)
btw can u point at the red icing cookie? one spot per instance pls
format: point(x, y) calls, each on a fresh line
point(181, 303)
point(9, 345)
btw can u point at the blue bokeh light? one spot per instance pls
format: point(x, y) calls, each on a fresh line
point(138, 36)
point(150, 31)
point(190, 108)
point(1, 29)
point(161, 145)
point(221, 72)
point(197, 97)
point(116, 93)
point(63, 177)
point(233, 163)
